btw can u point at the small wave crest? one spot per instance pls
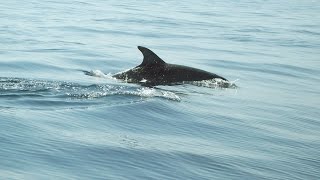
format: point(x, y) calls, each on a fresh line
point(140, 92)
point(98, 73)
point(28, 85)
point(151, 92)
point(31, 92)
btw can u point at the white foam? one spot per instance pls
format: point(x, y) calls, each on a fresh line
point(98, 73)
point(103, 91)
point(151, 92)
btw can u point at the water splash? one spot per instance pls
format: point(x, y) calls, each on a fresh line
point(51, 93)
point(98, 73)
point(107, 90)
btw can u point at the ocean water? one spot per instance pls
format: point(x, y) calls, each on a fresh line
point(58, 123)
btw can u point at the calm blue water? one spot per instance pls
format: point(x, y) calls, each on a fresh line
point(57, 123)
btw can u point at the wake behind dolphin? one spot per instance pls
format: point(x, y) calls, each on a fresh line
point(154, 71)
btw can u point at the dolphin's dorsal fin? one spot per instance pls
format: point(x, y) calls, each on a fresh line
point(149, 57)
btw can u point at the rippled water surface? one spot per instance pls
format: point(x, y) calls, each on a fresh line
point(58, 123)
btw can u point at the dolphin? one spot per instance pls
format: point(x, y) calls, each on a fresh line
point(154, 71)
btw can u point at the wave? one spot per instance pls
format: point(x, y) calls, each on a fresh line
point(33, 93)
point(19, 92)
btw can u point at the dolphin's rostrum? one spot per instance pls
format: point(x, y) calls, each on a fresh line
point(154, 71)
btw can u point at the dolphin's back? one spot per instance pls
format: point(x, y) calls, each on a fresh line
point(154, 71)
point(184, 73)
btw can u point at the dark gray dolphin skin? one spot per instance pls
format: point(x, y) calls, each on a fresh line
point(154, 71)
